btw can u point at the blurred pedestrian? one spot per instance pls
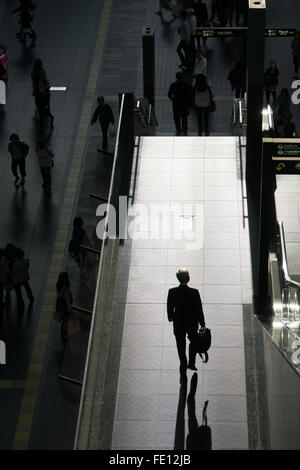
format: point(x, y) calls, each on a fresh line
point(203, 102)
point(184, 47)
point(19, 151)
point(4, 272)
point(181, 95)
point(168, 5)
point(296, 53)
point(26, 20)
point(105, 116)
point(79, 237)
point(192, 25)
point(45, 158)
point(282, 103)
point(237, 79)
point(285, 128)
point(42, 101)
point(200, 64)
point(201, 14)
point(20, 277)
point(271, 81)
point(3, 61)
point(63, 302)
point(38, 74)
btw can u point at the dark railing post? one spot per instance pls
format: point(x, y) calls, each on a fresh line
point(256, 48)
point(149, 64)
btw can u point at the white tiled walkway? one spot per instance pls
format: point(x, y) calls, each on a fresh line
point(198, 177)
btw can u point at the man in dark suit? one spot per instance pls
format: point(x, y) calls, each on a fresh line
point(185, 311)
point(181, 95)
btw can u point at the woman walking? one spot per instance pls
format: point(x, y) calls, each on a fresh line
point(45, 157)
point(203, 102)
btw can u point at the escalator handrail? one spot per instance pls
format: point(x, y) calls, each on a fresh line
point(285, 268)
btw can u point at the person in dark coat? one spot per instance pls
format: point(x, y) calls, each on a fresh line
point(38, 74)
point(201, 14)
point(26, 20)
point(105, 116)
point(271, 81)
point(18, 151)
point(237, 78)
point(42, 101)
point(184, 309)
point(181, 95)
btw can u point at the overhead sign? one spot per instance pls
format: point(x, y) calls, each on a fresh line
point(233, 32)
point(280, 33)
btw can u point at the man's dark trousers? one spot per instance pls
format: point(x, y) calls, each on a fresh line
point(181, 345)
point(180, 118)
point(104, 128)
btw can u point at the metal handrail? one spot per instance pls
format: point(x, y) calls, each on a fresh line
point(285, 268)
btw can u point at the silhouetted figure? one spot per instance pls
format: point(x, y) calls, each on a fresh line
point(237, 78)
point(271, 81)
point(203, 102)
point(104, 114)
point(184, 309)
point(45, 158)
point(184, 46)
point(38, 74)
point(26, 20)
point(201, 14)
point(282, 103)
point(63, 302)
point(42, 101)
point(4, 272)
point(79, 237)
point(192, 21)
point(181, 95)
point(285, 128)
point(199, 437)
point(19, 151)
point(295, 46)
point(20, 277)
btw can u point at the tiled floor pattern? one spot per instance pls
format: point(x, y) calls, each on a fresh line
point(200, 173)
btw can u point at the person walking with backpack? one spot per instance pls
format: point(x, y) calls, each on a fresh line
point(45, 158)
point(63, 301)
point(19, 151)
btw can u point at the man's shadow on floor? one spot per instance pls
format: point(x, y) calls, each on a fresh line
point(199, 437)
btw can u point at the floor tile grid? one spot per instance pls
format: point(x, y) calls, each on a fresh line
point(175, 376)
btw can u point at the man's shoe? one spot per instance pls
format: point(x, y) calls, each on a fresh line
point(22, 182)
point(16, 180)
point(192, 367)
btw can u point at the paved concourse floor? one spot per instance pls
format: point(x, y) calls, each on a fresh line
point(199, 179)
